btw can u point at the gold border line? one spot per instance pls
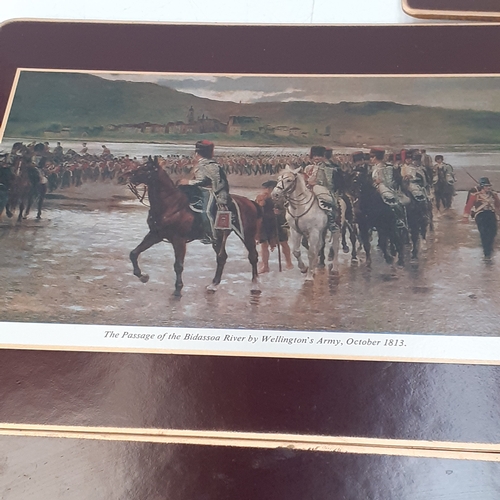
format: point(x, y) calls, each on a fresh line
point(6, 116)
point(256, 354)
point(330, 444)
point(450, 14)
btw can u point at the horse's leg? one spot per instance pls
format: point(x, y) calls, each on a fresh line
point(21, 210)
point(149, 240)
point(253, 257)
point(345, 248)
point(414, 241)
point(353, 237)
point(321, 253)
point(8, 210)
point(220, 250)
point(179, 245)
point(41, 198)
point(364, 234)
point(334, 247)
point(295, 239)
point(316, 242)
point(28, 206)
point(383, 241)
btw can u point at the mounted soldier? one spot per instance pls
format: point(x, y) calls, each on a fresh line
point(414, 178)
point(319, 177)
point(210, 175)
point(385, 183)
point(443, 170)
point(337, 178)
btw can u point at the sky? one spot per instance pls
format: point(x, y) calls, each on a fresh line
point(456, 92)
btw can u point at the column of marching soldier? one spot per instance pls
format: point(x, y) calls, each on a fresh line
point(388, 170)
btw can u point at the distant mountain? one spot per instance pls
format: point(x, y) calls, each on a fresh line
point(83, 105)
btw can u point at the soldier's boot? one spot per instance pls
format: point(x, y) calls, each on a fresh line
point(208, 237)
point(333, 224)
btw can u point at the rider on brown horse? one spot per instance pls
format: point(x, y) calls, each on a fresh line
point(209, 174)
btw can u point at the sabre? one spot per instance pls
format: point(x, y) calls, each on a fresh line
point(471, 176)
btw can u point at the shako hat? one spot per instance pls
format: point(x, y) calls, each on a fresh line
point(317, 151)
point(204, 148)
point(484, 181)
point(417, 156)
point(378, 153)
point(269, 184)
point(358, 156)
point(328, 153)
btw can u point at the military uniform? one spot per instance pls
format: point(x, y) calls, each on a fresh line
point(415, 175)
point(446, 171)
point(385, 183)
point(318, 176)
point(208, 173)
point(486, 205)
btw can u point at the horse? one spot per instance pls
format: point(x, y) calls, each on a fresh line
point(418, 215)
point(170, 218)
point(26, 186)
point(306, 219)
point(372, 212)
point(443, 190)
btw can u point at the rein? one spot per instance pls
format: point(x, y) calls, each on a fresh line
point(295, 203)
point(138, 195)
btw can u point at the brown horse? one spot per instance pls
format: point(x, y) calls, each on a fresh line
point(170, 218)
point(26, 186)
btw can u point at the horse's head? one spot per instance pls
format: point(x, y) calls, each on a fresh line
point(287, 182)
point(360, 180)
point(143, 174)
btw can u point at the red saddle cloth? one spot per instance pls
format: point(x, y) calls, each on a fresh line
point(223, 220)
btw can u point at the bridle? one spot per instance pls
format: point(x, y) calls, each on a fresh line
point(302, 200)
point(135, 190)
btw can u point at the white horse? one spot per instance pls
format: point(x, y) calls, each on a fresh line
point(306, 219)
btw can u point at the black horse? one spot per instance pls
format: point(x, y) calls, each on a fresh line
point(371, 212)
point(418, 215)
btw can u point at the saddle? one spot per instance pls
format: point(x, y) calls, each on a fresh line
point(204, 205)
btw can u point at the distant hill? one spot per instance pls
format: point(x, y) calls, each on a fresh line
point(83, 105)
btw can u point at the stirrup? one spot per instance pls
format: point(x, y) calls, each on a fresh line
point(400, 224)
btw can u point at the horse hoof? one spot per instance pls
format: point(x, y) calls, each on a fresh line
point(345, 249)
point(354, 260)
point(304, 270)
point(144, 278)
point(177, 293)
point(309, 278)
point(212, 287)
point(255, 291)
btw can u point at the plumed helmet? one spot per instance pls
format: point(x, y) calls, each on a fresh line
point(484, 181)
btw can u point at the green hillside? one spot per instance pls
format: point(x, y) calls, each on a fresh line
point(85, 106)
